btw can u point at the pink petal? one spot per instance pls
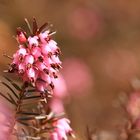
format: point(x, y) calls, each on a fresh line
point(21, 37)
point(40, 66)
point(31, 73)
point(36, 52)
point(22, 51)
point(41, 86)
point(15, 58)
point(52, 45)
point(56, 59)
point(43, 36)
point(33, 41)
point(54, 136)
point(57, 106)
point(45, 77)
point(60, 90)
point(21, 67)
point(29, 59)
point(45, 49)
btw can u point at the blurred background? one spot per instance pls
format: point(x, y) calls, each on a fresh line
point(100, 43)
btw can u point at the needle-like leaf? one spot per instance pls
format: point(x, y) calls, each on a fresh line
point(6, 98)
point(14, 102)
point(10, 89)
point(28, 125)
point(32, 97)
point(28, 113)
point(31, 90)
point(24, 118)
point(13, 83)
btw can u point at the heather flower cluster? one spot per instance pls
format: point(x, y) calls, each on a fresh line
point(37, 62)
point(37, 59)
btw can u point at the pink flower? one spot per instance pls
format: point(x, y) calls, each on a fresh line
point(22, 51)
point(44, 36)
point(56, 60)
point(37, 58)
point(40, 85)
point(84, 20)
point(45, 77)
point(33, 41)
point(45, 49)
point(52, 45)
point(41, 66)
point(56, 105)
point(31, 74)
point(37, 62)
point(62, 129)
point(77, 76)
point(21, 36)
point(137, 124)
point(54, 136)
point(36, 52)
point(21, 68)
point(133, 105)
point(60, 90)
point(6, 120)
point(29, 59)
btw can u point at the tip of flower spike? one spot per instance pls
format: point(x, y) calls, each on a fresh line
point(45, 63)
point(21, 36)
point(19, 30)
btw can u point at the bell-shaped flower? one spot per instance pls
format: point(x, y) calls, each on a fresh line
point(33, 41)
point(29, 59)
point(36, 52)
point(21, 37)
point(40, 85)
point(45, 49)
point(43, 36)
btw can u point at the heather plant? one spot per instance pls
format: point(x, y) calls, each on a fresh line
point(38, 107)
